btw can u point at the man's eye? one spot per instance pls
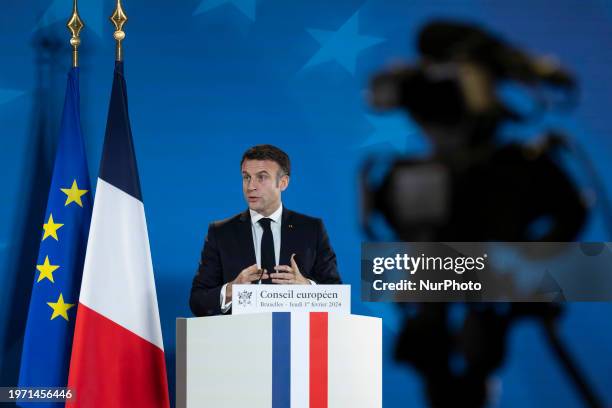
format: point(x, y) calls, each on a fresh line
point(246, 178)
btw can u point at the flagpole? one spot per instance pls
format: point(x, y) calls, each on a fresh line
point(119, 18)
point(75, 25)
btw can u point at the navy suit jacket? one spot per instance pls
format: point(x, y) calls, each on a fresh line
point(229, 249)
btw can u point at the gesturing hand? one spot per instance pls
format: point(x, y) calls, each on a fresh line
point(246, 276)
point(289, 274)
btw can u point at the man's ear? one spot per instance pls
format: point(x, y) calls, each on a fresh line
point(284, 183)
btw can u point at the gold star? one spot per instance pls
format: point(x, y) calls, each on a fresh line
point(60, 308)
point(73, 194)
point(51, 228)
point(46, 270)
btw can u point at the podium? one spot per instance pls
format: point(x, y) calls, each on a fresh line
point(279, 360)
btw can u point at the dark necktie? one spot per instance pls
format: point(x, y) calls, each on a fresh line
point(268, 260)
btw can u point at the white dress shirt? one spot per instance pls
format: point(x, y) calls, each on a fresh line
point(258, 231)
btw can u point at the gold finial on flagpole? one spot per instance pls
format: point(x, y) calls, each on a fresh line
point(119, 18)
point(75, 25)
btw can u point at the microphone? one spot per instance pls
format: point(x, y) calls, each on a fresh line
point(258, 282)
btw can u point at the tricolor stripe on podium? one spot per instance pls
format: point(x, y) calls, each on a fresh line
point(299, 360)
point(301, 347)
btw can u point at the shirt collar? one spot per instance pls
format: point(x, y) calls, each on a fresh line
point(275, 216)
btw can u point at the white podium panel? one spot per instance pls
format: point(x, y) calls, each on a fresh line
point(279, 360)
point(356, 344)
point(207, 350)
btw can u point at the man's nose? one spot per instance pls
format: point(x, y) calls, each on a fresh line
point(251, 185)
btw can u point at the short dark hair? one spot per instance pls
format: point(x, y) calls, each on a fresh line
point(268, 152)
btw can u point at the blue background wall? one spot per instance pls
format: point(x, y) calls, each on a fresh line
point(209, 78)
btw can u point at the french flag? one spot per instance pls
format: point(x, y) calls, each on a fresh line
point(118, 354)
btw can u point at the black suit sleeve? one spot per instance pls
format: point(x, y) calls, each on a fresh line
point(205, 297)
point(325, 269)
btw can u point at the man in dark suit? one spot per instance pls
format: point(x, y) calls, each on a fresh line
point(266, 244)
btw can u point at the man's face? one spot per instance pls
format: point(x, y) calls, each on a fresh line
point(262, 186)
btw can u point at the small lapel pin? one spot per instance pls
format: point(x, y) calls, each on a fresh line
point(290, 225)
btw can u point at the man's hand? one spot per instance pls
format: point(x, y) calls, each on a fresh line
point(246, 276)
point(289, 274)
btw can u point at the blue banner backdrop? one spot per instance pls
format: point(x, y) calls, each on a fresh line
point(209, 78)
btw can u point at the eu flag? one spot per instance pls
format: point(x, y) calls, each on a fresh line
point(57, 279)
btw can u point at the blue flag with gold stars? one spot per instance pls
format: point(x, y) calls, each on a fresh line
point(47, 342)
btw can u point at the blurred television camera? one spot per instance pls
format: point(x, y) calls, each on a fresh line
point(473, 187)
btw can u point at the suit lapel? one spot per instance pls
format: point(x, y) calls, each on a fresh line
point(245, 238)
point(288, 238)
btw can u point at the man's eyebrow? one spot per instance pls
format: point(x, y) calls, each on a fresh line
point(259, 172)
